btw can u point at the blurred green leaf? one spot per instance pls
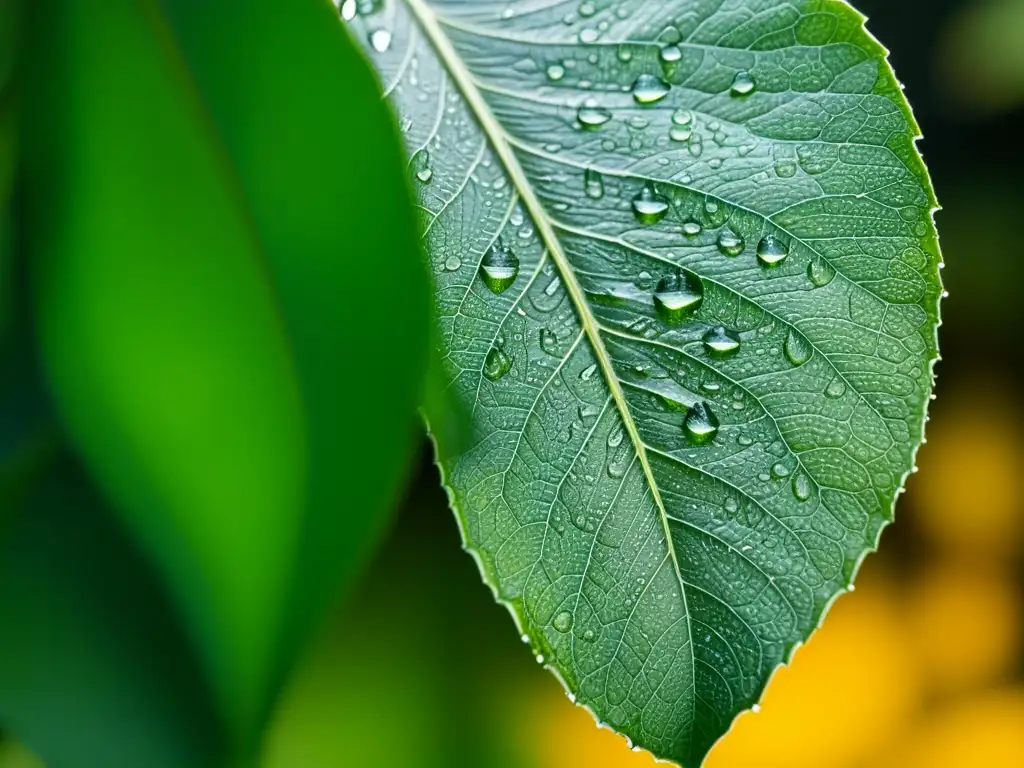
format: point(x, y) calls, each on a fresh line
point(688, 285)
point(231, 303)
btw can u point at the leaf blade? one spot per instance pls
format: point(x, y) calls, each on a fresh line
point(759, 477)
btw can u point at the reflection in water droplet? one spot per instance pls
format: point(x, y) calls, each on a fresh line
point(798, 349)
point(721, 343)
point(648, 206)
point(593, 184)
point(730, 244)
point(497, 363)
point(380, 39)
point(678, 296)
point(820, 272)
point(556, 72)
point(549, 341)
point(563, 621)
point(743, 84)
point(499, 267)
point(593, 117)
point(802, 487)
point(648, 89)
point(701, 424)
point(771, 251)
point(836, 388)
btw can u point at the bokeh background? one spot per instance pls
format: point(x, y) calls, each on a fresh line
point(923, 665)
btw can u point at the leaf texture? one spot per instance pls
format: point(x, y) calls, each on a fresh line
point(697, 400)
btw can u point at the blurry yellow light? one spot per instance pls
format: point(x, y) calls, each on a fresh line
point(987, 732)
point(848, 691)
point(966, 625)
point(970, 492)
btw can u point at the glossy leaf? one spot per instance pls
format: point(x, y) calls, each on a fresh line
point(231, 303)
point(697, 400)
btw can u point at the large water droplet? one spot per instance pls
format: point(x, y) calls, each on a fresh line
point(563, 622)
point(549, 341)
point(721, 343)
point(593, 184)
point(731, 244)
point(648, 206)
point(771, 251)
point(497, 363)
point(499, 267)
point(836, 388)
point(798, 349)
point(678, 296)
point(421, 165)
point(743, 84)
point(701, 424)
point(648, 89)
point(820, 272)
point(380, 39)
point(802, 487)
point(593, 117)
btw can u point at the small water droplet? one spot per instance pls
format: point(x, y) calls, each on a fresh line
point(730, 244)
point(820, 272)
point(670, 54)
point(380, 39)
point(743, 84)
point(563, 621)
point(802, 487)
point(615, 438)
point(692, 229)
point(587, 9)
point(549, 341)
point(452, 263)
point(798, 349)
point(556, 72)
point(593, 184)
point(680, 133)
point(593, 117)
point(648, 206)
point(771, 251)
point(745, 440)
point(678, 296)
point(587, 373)
point(421, 165)
point(589, 636)
point(721, 343)
point(348, 10)
point(780, 471)
point(648, 89)
point(499, 267)
point(731, 505)
point(836, 388)
point(682, 117)
point(497, 363)
point(701, 424)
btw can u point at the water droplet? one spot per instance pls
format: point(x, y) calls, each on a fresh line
point(731, 505)
point(593, 117)
point(499, 267)
point(563, 621)
point(380, 39)
point(678, 296)
point(820, 272)
point(593, 184)
point(682, 117)
point(670, 54)
point(452, 263)
point(648, 89)
point(617, 467)
point(743, 84)
point(556, 72)
point(680, 133)
point(798, 349)
point(745, 440)
point(615, 438)
point(497, 363)
point(721, 343)
point(587, 373)
point(589, 636)
point(692, 229)
point(549, 341)
point(648, 206)
point(802, 487)
point(348, 10)
point(780, 471)
point(771, 251)
point(731, 244)
point(836, 388)
point(587, 9)
point(421, 165)
point(785, 169)
point(701, 424)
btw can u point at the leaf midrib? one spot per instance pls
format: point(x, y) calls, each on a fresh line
point(431, 27)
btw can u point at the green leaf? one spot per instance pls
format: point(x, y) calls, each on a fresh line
point(697, 400)
point(231, 302)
